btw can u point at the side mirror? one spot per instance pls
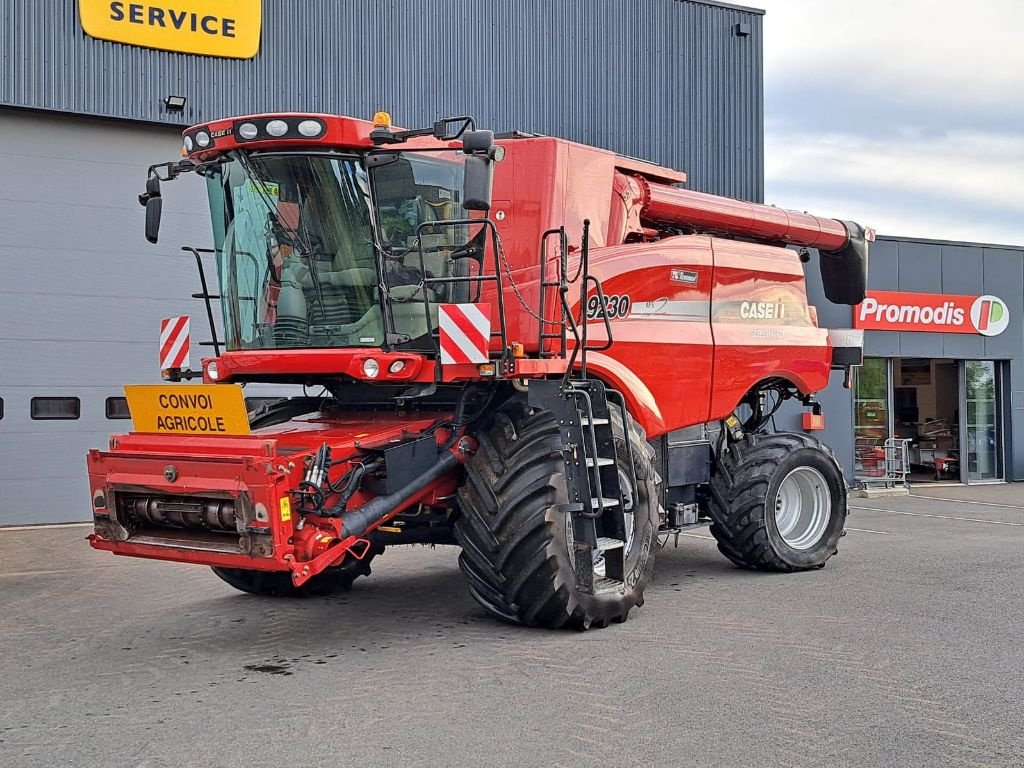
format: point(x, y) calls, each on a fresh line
point(478, 184)
point(154, 207)
point(479, 180)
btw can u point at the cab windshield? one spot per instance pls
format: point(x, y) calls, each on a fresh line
point(302, 241)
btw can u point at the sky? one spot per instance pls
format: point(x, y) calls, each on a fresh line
point(906, 115)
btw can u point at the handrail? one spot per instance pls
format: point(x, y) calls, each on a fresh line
point(206, 296)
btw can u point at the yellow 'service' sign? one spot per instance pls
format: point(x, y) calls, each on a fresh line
point(204, 409)
point(226, 28)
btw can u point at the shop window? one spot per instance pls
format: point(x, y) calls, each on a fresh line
point(117, 408)
point(54, 408)
point(871, 416)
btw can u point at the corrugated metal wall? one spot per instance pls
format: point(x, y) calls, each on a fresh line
point(666, 80)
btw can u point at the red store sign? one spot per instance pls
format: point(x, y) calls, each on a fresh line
point(931, 313)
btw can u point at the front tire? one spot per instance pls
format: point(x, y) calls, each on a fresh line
point(515, 541)
point(778, 502)
point(331, 581)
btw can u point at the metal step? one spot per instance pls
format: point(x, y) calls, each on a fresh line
point(584, 420)
point(600, 462)
point(604, 585)
point(607, 503)
point(604, 543)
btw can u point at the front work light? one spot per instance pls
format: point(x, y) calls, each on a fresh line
point(310, 128)
point(371, 368)
point(277, 127)
point(247, 131)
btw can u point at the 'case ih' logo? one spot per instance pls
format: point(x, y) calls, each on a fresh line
point(989, 315)
point(931, 313)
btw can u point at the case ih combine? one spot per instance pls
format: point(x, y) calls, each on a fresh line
point(551, 361)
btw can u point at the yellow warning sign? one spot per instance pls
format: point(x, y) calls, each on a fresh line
point(225, 28)
point(203, 409)
point(286, 509)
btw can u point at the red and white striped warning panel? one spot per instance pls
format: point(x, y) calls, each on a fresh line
point(465, 333)
point(174, 343)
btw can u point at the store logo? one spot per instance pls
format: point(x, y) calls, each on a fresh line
point(931, 313)
point(224, 28)
point(989, 315)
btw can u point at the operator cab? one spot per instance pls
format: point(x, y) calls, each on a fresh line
point(298, 237)
point(334, 233)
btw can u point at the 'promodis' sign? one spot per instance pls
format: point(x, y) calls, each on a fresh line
point(931, 313)
point(226, 28)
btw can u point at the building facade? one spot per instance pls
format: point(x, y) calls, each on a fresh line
point(943, 375)
point(96, 91)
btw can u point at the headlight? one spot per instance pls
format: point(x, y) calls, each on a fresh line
point(203, 139)
point(397, 366)
point(310, 128)
point(211, 370)
point(371, 368)
point(247, 131)
point(277, 127)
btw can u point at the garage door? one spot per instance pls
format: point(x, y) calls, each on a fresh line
point(81, 296)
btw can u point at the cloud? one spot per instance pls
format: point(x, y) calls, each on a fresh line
point(902, 114)
point(924, 50)
point(962, 185)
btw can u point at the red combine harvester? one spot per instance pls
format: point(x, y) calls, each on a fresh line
point(553, 361)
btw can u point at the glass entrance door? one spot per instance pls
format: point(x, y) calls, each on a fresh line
point(981, 444)
point(872, 422)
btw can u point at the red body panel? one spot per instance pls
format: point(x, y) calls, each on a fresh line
point(685, 353)
point(261, 469)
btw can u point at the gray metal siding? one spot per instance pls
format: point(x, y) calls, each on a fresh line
point(665, 80)
point(83, 293)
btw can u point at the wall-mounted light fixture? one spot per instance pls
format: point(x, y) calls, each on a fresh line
point(175, 103)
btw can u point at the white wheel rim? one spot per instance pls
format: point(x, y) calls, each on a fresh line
point(803, 507)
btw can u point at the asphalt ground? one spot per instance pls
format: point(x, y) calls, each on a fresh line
point(906, 650)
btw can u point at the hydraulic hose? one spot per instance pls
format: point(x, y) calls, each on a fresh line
point(359, 521)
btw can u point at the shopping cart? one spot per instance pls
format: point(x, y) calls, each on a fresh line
point(884, 465)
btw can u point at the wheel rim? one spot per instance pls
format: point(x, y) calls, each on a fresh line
point(803, 507)
point(626, 485)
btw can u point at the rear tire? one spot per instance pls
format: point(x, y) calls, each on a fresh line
point(279, 583)
point(515, 547)
point(778, 502)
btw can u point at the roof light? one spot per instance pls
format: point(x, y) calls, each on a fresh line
point(188, 144)
point(382, 120)
point(371, 368)
point(277, 127)
point(212, 371)
point(203, 139)
point(310, 128)
point(247, 131)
